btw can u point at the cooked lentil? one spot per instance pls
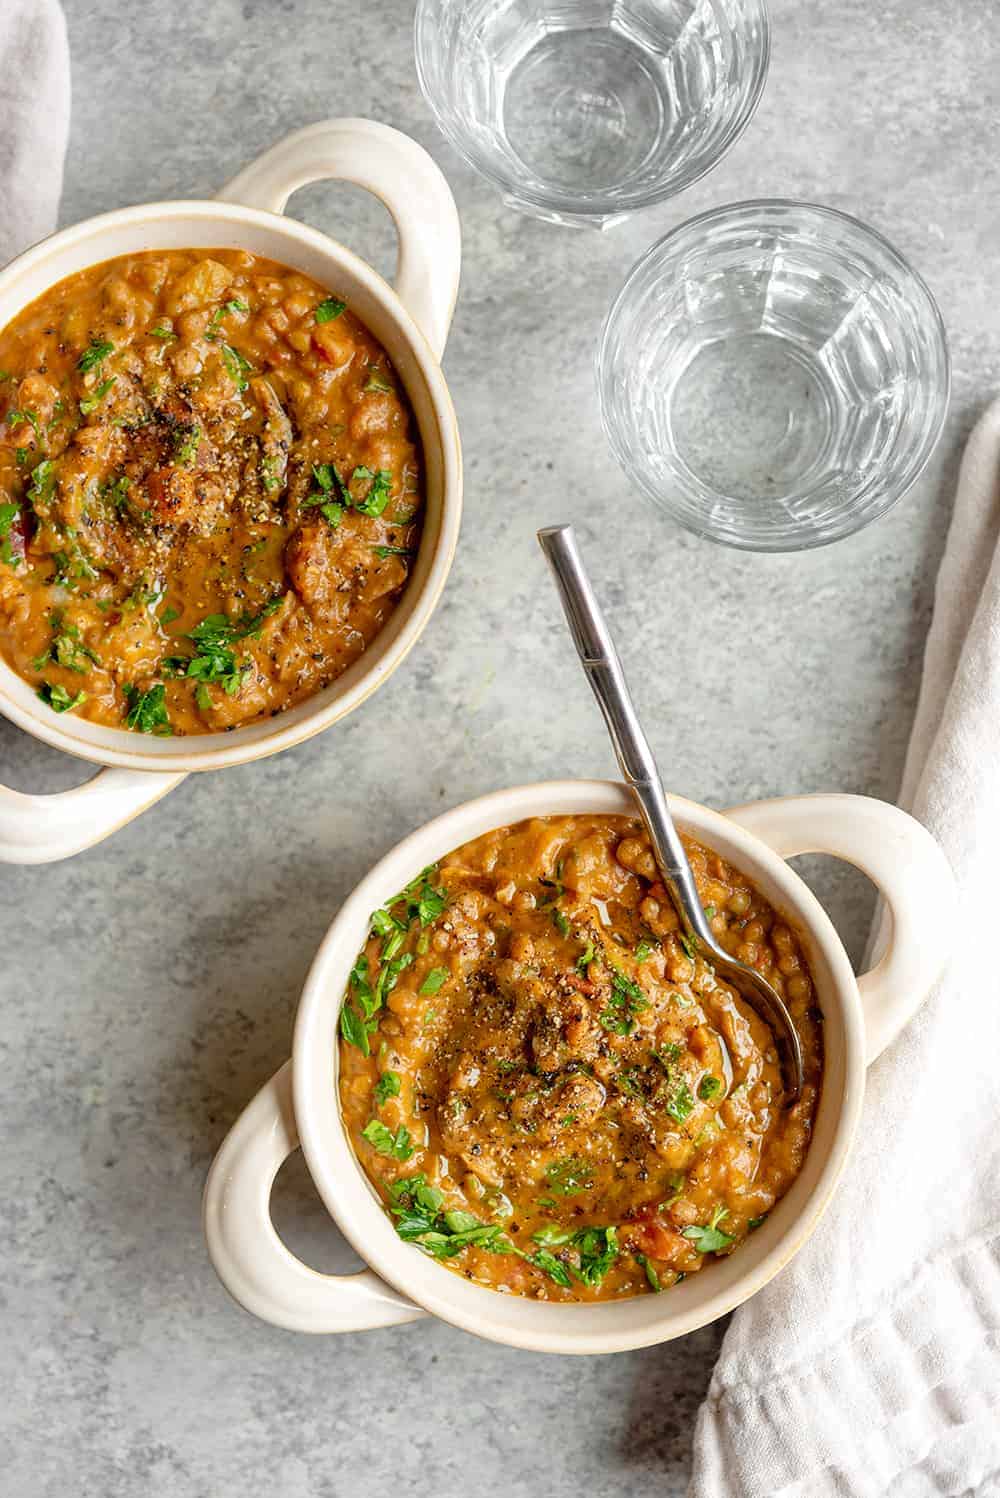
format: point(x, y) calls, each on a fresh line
point(552, 1094)
point(210, 490)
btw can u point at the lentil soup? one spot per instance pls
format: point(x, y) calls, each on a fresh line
point(210, 490)
point(549, 1087)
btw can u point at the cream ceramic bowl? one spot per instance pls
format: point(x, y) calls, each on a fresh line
point(410, 320)
point(300, 1104)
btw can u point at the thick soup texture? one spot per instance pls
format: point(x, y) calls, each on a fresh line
point(549, 1087)
point(210, 490)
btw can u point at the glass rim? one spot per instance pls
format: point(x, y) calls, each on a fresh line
point(605, 205)
point(794, 535)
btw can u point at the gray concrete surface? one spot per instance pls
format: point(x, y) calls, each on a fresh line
point(148, 986)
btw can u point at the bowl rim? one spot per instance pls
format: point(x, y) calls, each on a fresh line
point(540, 1326)
point(108, 746)
point(851, 522)
point(600, 208)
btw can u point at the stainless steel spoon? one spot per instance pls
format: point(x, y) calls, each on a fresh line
point(597, 652)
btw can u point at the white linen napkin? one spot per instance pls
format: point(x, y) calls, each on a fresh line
point(34, 120)
point(871, 1365)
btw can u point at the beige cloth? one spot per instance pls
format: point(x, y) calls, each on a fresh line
point(871, 1365)
point(34, 120)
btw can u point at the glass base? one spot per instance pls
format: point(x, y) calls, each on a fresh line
point(583, 109)
point(753, 417)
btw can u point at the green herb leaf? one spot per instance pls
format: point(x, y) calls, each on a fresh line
point(329, 309)
point(18, 418)
point(187, 440)
point(8, 514)
point(162, 332)
point(94, 400)
point(709, 1239)
point(397, 1145)
point(753, 1223)
point(43, 483)
point(551, 1235)
point(569, 1176)
point(147, 711)
point(689, 944)
point(58, 699)
point(393, 551)
point(710, 1087)
point(643, 950)
point(353, 1029)
point(598, 1250)
point(377, 494)
point(376, 381)
point(94, 355)
point(237, 366)
point(387, 1086)
point(436, 978)
point(650, 1272)
point(553, 1267)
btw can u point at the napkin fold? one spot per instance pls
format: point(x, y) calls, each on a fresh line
point(871, 1365)
point(34, 120)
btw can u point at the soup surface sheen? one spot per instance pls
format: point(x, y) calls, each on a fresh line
point(210, 490)
point(550, 1089)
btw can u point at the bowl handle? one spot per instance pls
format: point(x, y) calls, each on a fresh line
point(41, 829)
point(912, 874)
point(409, 183)
point(250, 1259)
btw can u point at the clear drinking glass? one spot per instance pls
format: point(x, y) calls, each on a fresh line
point(583, 110)
point(773, 375)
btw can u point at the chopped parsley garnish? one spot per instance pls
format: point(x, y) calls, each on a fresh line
point(220, 312)
point(8, 514)
point(587, 956)
point(710, 912)
point(377, 495)
point(387, 1086)
point(214, 659)
point(710, 1087)
point(94, 355)
point(689, 943)
point(569, 1176)
point(147, 711)
point(169, 615)
point(436, 979)
point(393, 551)
point(625, 1001)
point(650, 1273)
point(92, 401)
point(588, 1253)
point(560, 921)
point(420, 1220)
point(58, 699)
point(397, 1146)
point(423, 901)
point(43, 483)
point(115, 491)
point(237, 366)
point(643, 950)
point(67, 649)
point(162, 332)
point(187, 440)
point(753, 1223)
point(376, 381)
point(73, 564)
point(18, 418)
point(330, 308)
point(709, 1239)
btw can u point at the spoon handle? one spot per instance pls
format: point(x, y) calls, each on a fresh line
point(603, 668)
